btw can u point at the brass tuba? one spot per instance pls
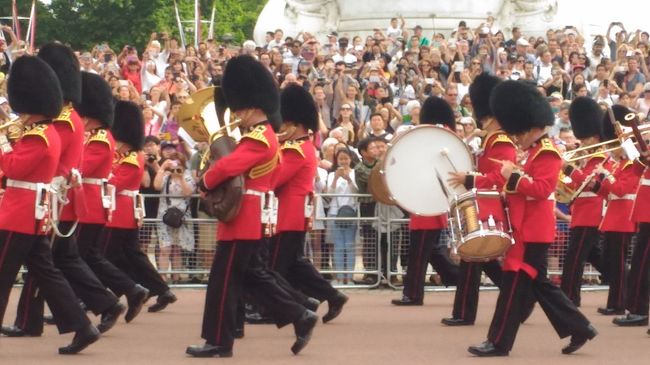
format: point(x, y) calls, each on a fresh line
point(205, 117)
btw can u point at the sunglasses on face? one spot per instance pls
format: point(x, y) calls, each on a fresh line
point(176, 171)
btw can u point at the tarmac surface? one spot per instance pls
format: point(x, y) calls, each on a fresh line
point(369, 331)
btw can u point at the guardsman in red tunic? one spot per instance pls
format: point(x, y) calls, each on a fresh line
point(252, 95)
point(587, 209)
point(29, 318)
point(121, 244)
point(425, 246)
point(29, 166)
point(523, 112)
point(294, 190)
point(96, 110)
point(497, 146)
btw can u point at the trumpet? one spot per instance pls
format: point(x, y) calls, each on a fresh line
point(14, 128)
point(612, 145)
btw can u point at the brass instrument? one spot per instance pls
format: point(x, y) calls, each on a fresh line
point(564, 193)
point(603, 147)
point(14, 127)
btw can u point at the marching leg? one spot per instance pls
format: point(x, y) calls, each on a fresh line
point(616, 245)
point(466, 298)
point(637, 287)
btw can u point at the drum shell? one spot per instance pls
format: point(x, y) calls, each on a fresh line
point(377, 185)
point(224, 201)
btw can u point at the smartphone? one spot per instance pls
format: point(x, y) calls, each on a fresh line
point(107, 57)
point(459, 66)
point(374, 79)
point(629, 54)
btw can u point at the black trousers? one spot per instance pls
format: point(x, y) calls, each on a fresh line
point(615, 262)
point(583, 247)
point(237, 266)
point(424, 248)
point(368, 237)
point(637, 285)
point(469, 281)
point(90, 249)
point(288, 259)
point(122, 248)
point(34, 251)
point(86, 286)
point(516, 287)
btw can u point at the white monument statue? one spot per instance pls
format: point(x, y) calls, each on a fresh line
point(360, 17)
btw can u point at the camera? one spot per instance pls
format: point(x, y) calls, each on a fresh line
point(151, 157)
point(400, 67)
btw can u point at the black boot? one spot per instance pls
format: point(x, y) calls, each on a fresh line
point(610, 311)
point(110, 317)
point(456, 322)
point(303, 329)
point(208, 350)
point(13, 331)
point(631, 320)
point(135, 299)
point(49, 319)
point(406, 301)
point(312, 304)
point(577, 341)
point(335, 306)
point(82, 339)
point(163, 301)
point(487, 349)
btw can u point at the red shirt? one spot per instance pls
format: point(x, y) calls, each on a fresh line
point(641, 212)
point(256, 156)
point(294, 180)
point(71, 132)
point(34, 159)
point(127, 175)
point(97, 164)
point(586, 211)
point(617, 215)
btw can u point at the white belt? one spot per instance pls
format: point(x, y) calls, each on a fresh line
point(129, 193)
point(93, 181)
point(11, 183)
point(624, 197)
point(254, 192)
point(588, 194)
point(645, 182)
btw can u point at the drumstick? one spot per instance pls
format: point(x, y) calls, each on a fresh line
point(445, 152)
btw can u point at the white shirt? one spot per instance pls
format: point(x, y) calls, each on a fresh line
point(543, 73)
point(342, 187)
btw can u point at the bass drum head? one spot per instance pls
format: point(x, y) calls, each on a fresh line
point(484, 246)
point(377, 186)
point(417, 166)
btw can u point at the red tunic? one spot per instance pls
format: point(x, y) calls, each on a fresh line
point(127, 175)
point(532, 204)
point(256, 156)
point(97, 164)
point(294, 181)
point(34, 159)
point(71, 132)
point(428, 223)
point(641, 211)
point(620, 195)
point(587, 209)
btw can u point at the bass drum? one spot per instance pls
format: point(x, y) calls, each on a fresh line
point(377, 186)
point(417, 166)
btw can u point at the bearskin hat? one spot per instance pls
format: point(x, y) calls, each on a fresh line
point(66, 65)
point(619, 111)
point(96, 99)
point(247, 83)
point(586, 117)
point(519, 107)
point(128, 126)
point(437, 111)
point(298, 106)
point(33, 88)
point(479, 93)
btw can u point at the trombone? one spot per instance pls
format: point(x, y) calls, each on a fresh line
point(603, 147)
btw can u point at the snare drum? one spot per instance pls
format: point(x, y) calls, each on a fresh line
point(477, 235)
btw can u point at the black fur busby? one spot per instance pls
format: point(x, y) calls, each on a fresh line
point(96, 99)
point(298, 106)
point(66, 65)
point(479, 93)
point(519, 107)
point(586, 117)
point(437, 111)
point(33, 88)
point(619, 111)
point(247, 83)
point(128, 126)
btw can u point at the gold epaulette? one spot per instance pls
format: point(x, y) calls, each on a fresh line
point(265, 168)
point(65, 116)
point(100, 136)
point(547, 146)
point(627, 164)
point(131, 158)
point(39, 131)
point(600, 155)
point(257, 134)
point(293, 146)
point(502, 138)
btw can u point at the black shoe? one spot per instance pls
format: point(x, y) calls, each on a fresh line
point(577, 341)
point(631, 320)
point(404, 301)
point(610, 311)
point(487, 349)
point(649, 331)
point(13, 331)
point(208, 350)
point(312, 304)
point(110, 317)
point(335, 306)
point(135, 300)
point(239, 333)
point(258, 318)
point(82, 339)
point(303, 329)
point(49, 319)
point(456, 322)
point(163, 301)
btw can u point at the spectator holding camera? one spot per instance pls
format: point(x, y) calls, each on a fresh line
point(634, 79)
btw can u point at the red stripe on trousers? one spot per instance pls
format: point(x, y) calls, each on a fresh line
point(508, 305)
point(417, 269)
point(108, 239)
point(276, 252)
point(619, 300)
point(641, 274)
point(28, 302)
point(575, 264)
point(466, 290)
point(5, 249)
point(224, 292)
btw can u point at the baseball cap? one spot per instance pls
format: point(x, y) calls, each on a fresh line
point(556, 95)
point(522, 42)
